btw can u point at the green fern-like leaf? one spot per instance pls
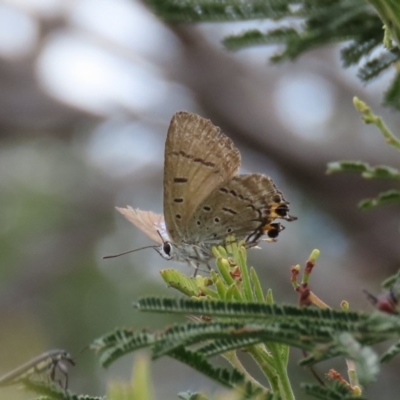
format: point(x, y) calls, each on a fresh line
point(391, 353)
point(359, 48)
point(382, 172)
point(374, 67)
point(347, 166)
point(222, 10)
point(328, 23)
point(273, 332)
point(388, 197)
point(254, 37)
point(121, 341)
point(227, 344)
point(313, 330)
point(367, 172)
point(318, 23)
point(231, 379)
point(51, 391)
point(241, 310)
point(336, 391)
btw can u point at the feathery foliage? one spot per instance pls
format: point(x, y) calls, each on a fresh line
point(338, 391)
point(50, 391)
point(225, 324)
point(368, 172)
point(302, 25)
point(391, 352)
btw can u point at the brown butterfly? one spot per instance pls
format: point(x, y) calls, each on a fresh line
point(205, 199)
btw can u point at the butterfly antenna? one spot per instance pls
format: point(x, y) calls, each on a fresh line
point(81, 351)
point(159, 234)
point(130, 251)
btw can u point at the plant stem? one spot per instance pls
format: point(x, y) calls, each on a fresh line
point(370, 118)
point(284, 382)
point(239, 255)
point(389, 11)
point(266, 364)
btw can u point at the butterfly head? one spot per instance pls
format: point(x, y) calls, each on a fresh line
point(166, 250)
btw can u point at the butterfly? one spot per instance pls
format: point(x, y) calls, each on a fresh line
point(205, 199)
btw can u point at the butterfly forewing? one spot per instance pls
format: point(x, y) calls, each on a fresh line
point(243, 206)
point(199, 159)
point(151, 224)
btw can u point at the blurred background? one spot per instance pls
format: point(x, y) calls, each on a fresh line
point(87, 89)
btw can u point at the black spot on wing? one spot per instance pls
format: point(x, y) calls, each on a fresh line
point(229, 210)
point(204, 162)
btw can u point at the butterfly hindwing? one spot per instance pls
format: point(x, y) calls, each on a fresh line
point(244, 206)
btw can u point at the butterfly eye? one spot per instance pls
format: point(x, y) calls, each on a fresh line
point(167, 250)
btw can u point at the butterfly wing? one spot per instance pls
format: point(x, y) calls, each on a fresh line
point(147, 221)
point(199, 158)
point(245, 206)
